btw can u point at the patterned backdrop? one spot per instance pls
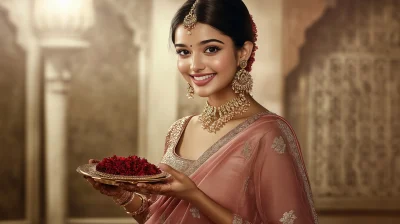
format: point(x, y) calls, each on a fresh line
point(12, 122)
point(344, 101)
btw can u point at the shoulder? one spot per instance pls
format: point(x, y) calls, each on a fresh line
point(278, 133)
point(270, 125)
point(178, 125)
point(175, 129)
point(270, 122)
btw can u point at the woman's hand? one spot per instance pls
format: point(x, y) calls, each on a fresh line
point(178, 185)
point(112, 191)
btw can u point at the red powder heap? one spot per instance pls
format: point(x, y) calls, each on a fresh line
point(127, 166)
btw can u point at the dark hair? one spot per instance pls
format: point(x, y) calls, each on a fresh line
point(231, 17)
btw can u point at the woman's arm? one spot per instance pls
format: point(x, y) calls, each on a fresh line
point(181, 186)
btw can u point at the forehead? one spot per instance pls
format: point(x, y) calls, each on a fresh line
point(199, 33)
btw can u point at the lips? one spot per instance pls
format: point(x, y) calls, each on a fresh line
point(202, 79)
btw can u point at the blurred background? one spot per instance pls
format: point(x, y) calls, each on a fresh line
point(83, 79)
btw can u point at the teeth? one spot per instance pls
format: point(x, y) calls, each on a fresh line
point(200, 78)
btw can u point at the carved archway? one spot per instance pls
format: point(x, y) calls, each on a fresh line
point(298, 16)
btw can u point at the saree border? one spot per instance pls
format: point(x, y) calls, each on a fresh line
point(295, 151)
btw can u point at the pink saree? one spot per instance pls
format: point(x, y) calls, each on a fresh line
point(256, 171)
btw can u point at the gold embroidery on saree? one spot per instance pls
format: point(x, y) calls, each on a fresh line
point(174, 131)
point(294, 151)
point(279, 145)
point(195, 212)
point(246, 184)
point(172, 139)
point(246, 152)
point(175, 162)
point(238, 220)
point(288, 217)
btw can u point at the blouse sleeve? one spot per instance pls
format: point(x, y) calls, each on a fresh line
point(283, 193)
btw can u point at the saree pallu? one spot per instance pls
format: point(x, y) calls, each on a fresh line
point(256, 171)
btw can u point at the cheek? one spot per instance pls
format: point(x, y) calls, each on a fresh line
point(183, 66)
point(224, 63)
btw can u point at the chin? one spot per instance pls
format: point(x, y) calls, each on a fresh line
point(203, 94)
point(207, 91)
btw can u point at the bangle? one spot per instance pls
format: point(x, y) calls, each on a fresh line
point(143, 207)
point(125, 197)
point(129, 200)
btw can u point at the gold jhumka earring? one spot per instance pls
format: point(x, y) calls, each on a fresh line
point(214, 118)
point(190, 19)
point(243, 82)
point(190, 91)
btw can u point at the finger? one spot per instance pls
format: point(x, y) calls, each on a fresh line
point(174, 173)
point(145, 189)
point(93, 161)
point(91, 181)
point(109, 190)
point(129, 187)
point(97, 185)
point(156, 188)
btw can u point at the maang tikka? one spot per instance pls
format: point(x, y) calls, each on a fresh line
point(190, 19)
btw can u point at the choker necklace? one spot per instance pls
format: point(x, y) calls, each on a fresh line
point(214, 118)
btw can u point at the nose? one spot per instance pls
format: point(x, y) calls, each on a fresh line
point(197, 64)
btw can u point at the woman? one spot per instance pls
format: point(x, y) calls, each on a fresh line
point(236, 162)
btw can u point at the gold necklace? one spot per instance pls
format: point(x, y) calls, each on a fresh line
point(214, 118)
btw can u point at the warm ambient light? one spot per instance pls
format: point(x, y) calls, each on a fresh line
point(60, 23)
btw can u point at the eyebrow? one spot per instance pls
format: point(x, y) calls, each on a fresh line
point(202, 42)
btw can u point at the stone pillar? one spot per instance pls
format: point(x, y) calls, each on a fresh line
point(56, 89)
point(60, 25)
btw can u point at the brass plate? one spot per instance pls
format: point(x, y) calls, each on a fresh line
point(90, 170)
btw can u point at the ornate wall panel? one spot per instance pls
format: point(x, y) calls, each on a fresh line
point(103, 112)
point(12, 122)
point(344, 101)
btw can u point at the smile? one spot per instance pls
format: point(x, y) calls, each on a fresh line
point(201, 80)
point(203, 77)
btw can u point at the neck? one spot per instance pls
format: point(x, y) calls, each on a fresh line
point(221, 108)
point(221, 97)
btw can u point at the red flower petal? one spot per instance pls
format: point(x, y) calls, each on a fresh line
point(128, 166)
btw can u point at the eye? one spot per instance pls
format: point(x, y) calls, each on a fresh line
point(182, 52)
point(212, 49)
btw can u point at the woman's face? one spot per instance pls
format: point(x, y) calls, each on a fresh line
point(207, 59)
